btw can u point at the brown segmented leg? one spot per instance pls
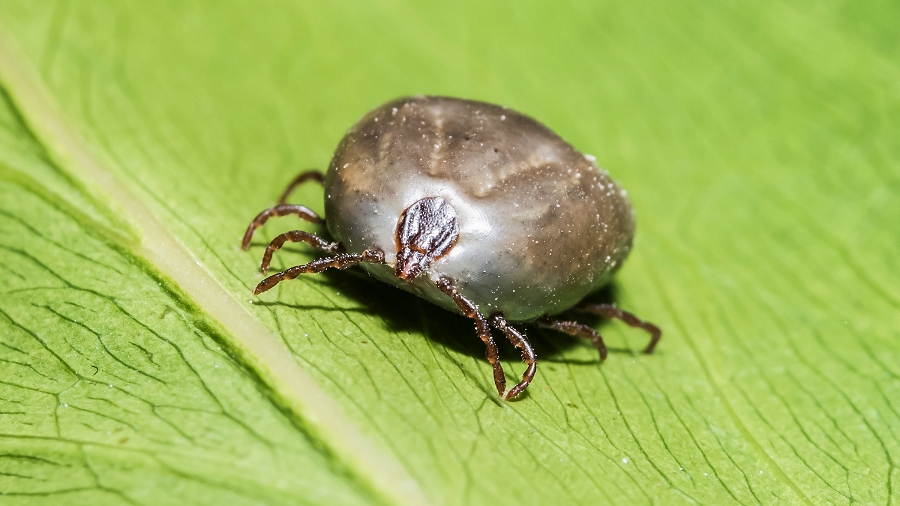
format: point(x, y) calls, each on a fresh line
point(469, 309)
point(578, 330)
point(298, 236)
point(310, 175)
point(610, 311)
point(280, 210)
point(520, 342)
point(339, 261)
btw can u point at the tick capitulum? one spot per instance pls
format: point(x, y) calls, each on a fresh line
point(476, 208)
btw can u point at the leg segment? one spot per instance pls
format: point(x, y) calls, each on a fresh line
point(303, 212)
point(521, 342)
point(339, 261)
point(313, 175)
point(578, 330)
point(469, 309)
point(298, 236)
point(280, 210)
point(610, 311)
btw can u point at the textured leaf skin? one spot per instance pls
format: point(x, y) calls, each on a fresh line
point(113, 387)
point(758, 142)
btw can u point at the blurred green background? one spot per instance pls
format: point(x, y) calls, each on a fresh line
point(758, 142)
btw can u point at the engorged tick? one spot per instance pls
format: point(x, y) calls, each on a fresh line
point(476, 208)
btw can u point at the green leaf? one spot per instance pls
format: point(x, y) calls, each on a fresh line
point(758, 141)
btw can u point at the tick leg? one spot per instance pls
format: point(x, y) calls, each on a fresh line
point(339, 261)
point(280, 210)
point(469, 309)
point(576, 329)
point(298, 236)
point(521, 342)
point(610, 311)
point(301, 178)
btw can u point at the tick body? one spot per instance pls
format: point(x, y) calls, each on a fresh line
point(476, 208)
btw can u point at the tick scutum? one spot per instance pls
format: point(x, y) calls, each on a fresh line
point(427, 230)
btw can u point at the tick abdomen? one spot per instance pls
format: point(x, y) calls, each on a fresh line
point(540, 225)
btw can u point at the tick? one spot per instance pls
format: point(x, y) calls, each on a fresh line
point(476, 208)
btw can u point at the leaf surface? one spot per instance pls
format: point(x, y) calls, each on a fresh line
point(757, 141)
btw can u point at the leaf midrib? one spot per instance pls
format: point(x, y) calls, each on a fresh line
point(260, 350)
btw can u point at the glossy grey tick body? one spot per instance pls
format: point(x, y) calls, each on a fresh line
point(475, 208)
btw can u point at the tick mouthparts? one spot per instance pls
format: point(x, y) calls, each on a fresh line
point(408, 275)
point(411, 264)
point(409, 272)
